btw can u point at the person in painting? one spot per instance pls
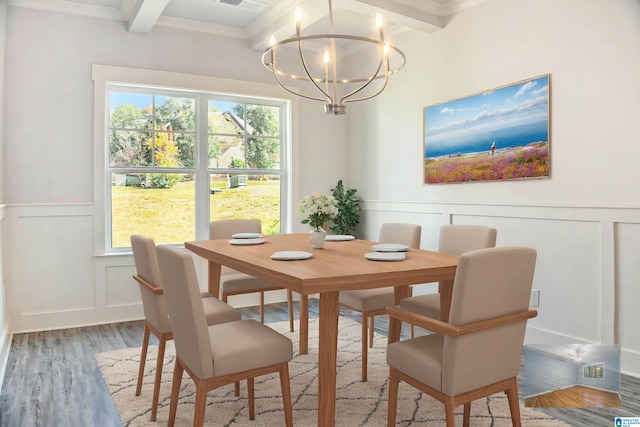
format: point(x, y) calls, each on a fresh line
point(493, 148)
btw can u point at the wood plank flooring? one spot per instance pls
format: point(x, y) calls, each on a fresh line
point(576, 396)
point(52, 378)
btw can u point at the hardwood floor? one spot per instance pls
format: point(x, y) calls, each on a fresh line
point(52, 378)
point(576, 396)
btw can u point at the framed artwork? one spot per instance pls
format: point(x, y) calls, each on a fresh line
point(496, 135)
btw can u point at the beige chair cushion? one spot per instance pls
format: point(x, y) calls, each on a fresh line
point(420, 358)
point(247, 344)
point(368, 299)
point(426, 305)
point(216, 311)
point(240, 282)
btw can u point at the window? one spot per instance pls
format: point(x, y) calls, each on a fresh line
point(177, 159)
point(594, 371)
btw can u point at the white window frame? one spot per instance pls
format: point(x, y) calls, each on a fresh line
point(252, 92)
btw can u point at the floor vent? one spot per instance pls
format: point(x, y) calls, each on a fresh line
point(250, 5)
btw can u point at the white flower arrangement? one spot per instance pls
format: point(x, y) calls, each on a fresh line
point(319, 208)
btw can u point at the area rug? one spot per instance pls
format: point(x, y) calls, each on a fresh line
point(357, 403)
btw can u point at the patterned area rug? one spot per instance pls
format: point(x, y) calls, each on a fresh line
point(358, 403)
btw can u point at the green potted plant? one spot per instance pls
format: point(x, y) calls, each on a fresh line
point(348, 216)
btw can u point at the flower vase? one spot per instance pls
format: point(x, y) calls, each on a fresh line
point(317, 238)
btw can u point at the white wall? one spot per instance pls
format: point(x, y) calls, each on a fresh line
point(57, 279)
point(585, 220)
point(5, 336)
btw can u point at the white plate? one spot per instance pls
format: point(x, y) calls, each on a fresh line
point(291, 255)
point(338, 237)
point(246, 236)
point(389, 247)
point(246, 241)
point(385, 256)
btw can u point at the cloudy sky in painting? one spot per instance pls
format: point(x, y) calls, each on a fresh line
point(521, 103)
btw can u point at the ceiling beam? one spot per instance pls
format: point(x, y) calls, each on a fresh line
point(145, 14)
point(397, 13)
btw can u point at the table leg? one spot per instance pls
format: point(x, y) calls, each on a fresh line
point(395, 326)
point(446, 292)
point(304, 324)
point(214, 279)
point(327, 354)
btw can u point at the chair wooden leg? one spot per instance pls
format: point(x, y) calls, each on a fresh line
point(252, 401)
point(466, 415)
point(413, 331)
point(175, 391)
point(201, 403)
point(156, 384)
point(286, 394)
point(236, 388)
point(143, 358)
point(262, 307)
point(449, 411)
point(372, 324)
point(365, 350)
point(393, 398)
point(514, 403)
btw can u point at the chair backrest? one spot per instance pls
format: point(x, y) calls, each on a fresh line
point(186, 312)
point(406, 234)
point(154, 305)
point(460, 238)
point(225, 228)
point(489, 283)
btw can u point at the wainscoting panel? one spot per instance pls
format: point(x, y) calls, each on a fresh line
point(122, 289)
point(627, 255)
point(55, 263)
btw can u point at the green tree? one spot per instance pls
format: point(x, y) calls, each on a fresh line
point(348, 216)
point(179, 113)
point(262, 126)
point(126, 141)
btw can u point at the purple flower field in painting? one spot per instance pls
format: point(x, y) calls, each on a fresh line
point(530, 161)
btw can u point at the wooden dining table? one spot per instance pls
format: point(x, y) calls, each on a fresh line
point(339, 266)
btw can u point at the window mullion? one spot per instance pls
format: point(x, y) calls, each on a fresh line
point(202, 172)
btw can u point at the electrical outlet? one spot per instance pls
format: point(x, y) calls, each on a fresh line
point(534, 301)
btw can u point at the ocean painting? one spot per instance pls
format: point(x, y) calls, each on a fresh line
point(496, 135)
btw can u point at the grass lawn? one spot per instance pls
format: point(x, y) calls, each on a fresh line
point(168, 215)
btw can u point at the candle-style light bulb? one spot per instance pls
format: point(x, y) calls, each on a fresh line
point(385, 50)
point(272, 40)
point(378, 20)
point(325, 60)
point(297, 17)
point(379, 26)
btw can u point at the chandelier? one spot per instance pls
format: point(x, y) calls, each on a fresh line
point(334, 77)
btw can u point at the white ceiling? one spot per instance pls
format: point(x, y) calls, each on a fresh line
point(586, 353)
point(257, 20)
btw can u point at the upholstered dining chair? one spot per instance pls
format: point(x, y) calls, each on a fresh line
point(454, 239)
point(478, 352)
point(372, 302)
point(221, 354)
point(233, 282)
point(155, 311)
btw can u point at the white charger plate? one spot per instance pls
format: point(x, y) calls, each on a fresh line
point(246, 241)
point(291, 255)
point(246, 236)
point(338, 237)
point(385, 256)
point(390, 247)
